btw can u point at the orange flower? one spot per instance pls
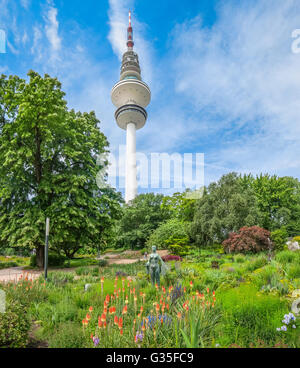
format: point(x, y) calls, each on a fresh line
point(191, 284)
point(120, 323)
point(157, 307)
point(168, 307)
point(116, 320)
point(214, 293)
point(126, 300)
point(107, 299)
point(142, 309)
point(84, 322)
point(207, 290)
point(103, 317)
point(124, 311)
point(91, 309)
point(104, 324)
point(102, 279)
point(179, 315)
point(100, 323)
point(121, 332)
point(184, 289)
point(92, 335)
point(88, 317)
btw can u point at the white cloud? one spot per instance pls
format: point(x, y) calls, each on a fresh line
point(242, 75)
point(51, 29)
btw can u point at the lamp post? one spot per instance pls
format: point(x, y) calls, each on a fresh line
point(46, 247)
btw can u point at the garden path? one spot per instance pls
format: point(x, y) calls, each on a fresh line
point(128, 257)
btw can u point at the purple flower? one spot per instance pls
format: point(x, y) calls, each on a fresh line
point(139, 336)
point(96, 341)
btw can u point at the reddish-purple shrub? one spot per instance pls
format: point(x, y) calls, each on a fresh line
point(171, 257)
point(248, 239)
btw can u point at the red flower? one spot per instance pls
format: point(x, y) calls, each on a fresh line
point(91, 309)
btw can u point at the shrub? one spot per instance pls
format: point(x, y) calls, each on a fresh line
point(7, 265)
point(297, 239)
point(178, 246)
point(14, 326)
point(171, 257)
point(248, 239)
point(54, 260)
point(167, 231)
point(103, 262)
point(279, 238)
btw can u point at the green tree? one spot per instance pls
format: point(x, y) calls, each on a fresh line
point(48, 169)
point(226, 206)
point(278, 199)
point(140, 218)
point(180, 205)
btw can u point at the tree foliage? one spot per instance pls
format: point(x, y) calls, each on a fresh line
point(225, 207)
point(140, 218)
point(278, 200)
point(48, 169)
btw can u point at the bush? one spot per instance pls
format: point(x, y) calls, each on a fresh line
point(54, 260)
point(171, 257)
point(297, 239)
point(14, 326)
point(103, 262)
point(279, 238)
point(248, 239)
point(7, 265)
point(179, 247)
point(167, 231)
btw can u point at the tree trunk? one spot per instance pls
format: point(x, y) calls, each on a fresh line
point(40, 256)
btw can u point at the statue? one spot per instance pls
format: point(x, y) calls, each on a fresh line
point(155, 266)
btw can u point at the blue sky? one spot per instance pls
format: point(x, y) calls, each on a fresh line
point(223, 76)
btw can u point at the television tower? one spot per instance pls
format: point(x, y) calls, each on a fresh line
point(130, 96)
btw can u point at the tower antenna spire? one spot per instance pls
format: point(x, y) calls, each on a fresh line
point(130, 42)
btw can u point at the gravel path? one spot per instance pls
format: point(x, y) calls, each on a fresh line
point(14, 273)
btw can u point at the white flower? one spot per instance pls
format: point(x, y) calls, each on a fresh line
point(294, 326)
point(283, 328)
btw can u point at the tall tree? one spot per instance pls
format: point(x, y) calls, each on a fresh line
point(226, 206)
point(278, 199)
point(48, 169)
point(140, 218)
